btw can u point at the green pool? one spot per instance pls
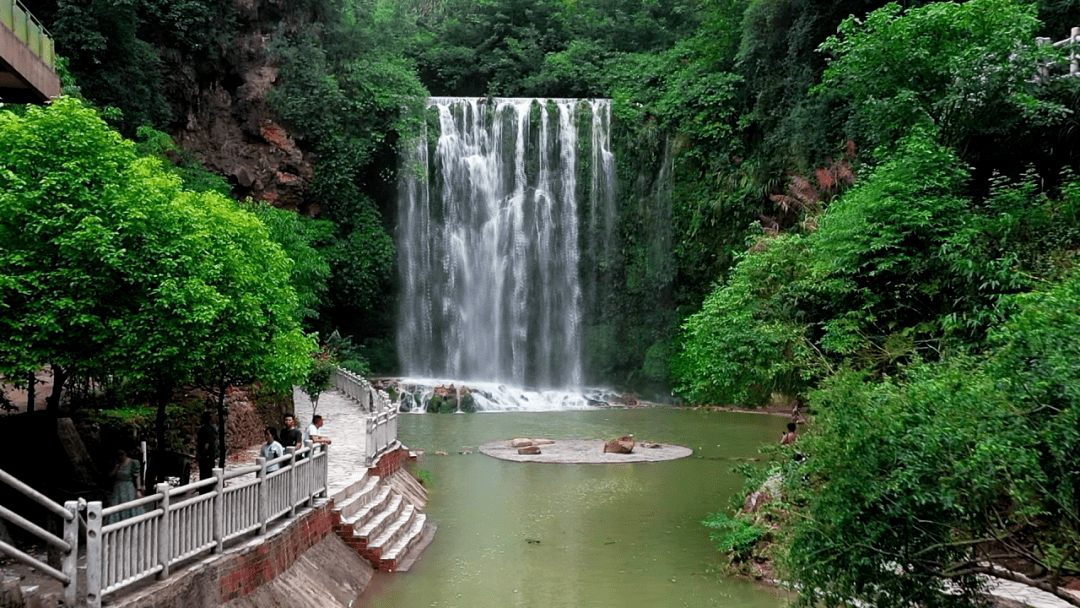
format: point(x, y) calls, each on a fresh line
point(545, 535)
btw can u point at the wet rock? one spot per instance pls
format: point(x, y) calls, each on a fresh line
point(521, 442)
point(622, 445)
point(529, 450)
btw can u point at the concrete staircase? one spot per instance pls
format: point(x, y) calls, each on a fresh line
point(380, 518)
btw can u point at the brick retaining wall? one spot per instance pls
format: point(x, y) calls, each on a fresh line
point(246, 572)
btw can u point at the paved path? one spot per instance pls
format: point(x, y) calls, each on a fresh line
point(1028, 596)
point(344, 423)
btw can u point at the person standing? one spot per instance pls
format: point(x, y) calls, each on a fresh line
point(206, 449)
point(312, 432)
point(790, 436)
point(272, 449)
point(125, 478)
point(291, 437)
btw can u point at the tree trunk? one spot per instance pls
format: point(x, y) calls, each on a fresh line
point(60, 376)
point(30, 392)
point(161, 396)
point(222, 417)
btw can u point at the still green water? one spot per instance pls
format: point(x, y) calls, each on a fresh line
point(624, 536)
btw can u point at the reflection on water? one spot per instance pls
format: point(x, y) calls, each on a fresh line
point(527, 534)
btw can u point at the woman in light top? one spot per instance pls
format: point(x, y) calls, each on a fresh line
point(272, 449)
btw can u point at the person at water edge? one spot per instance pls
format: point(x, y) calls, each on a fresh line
point(272, 449)
point(790, 436)
point(312, 432)
point(291, 437)
point(125, 478)
point(206, 449)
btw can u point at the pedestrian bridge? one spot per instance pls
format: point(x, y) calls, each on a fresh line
point(27, 57)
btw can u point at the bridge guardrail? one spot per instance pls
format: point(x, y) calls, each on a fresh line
point(27, 28)
point(382, 425)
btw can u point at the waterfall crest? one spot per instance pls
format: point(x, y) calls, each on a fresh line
point(492, 215)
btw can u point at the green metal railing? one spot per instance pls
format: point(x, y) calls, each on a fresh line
point(15, 17)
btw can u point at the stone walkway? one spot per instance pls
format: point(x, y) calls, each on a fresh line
point(344, 423)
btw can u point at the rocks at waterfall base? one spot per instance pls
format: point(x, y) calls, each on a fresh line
point(444, 400)
point(622, 445)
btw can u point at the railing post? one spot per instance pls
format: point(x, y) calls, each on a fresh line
point(292, 480)
point(219, 510)
point(1074, 53)
point(164, 531)
point(324, 473)
point(94, 559)
point(369, 441)
point(311, 475)
point(69, 563)
point(264, 493)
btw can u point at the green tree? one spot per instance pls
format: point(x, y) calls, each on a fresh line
point(110, 268)
point(750, 338)
point(936, 477)
point(966, 69)
point(304, 240)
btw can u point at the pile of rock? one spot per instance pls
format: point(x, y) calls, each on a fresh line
point(622, 445)
point(449, 399)
point(529, 446)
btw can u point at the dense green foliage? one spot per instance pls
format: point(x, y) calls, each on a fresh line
point(111, 270)
point(869, 206)
point(345, 81)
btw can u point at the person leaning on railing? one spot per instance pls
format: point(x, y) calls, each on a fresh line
point(312, 432)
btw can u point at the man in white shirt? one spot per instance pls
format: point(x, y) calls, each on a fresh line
point(312, 432)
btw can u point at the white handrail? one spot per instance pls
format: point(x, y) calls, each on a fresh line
point(122, 553)
point(69, 544)
point(380, 427)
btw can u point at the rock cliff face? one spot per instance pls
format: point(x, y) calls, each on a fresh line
point(222, 114)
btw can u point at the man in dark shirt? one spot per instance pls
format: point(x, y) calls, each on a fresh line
point(290, 435)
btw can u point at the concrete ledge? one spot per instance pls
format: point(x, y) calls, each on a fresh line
point(24, 77)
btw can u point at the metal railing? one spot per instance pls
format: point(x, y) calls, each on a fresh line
point(16, 17)
point(182, 522)
point(382, 423)
point(69, 544)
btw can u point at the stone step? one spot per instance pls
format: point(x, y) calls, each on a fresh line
point(414, 549)
point(394, 531)
point(407, 537)
point(380, 520)
point(373, 506)
point(360, 497)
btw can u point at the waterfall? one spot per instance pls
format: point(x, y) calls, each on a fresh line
point(491, 219)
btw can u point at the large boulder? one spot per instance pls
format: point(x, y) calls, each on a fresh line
point(521, 442)
point(622, 445)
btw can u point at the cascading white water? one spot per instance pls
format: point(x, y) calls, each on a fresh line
point(489, 239)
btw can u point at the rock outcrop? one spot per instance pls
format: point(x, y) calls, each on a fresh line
point(622, 445)
point(223, 117)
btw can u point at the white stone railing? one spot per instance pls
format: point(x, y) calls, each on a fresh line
point(180, 523)
point(382, 420)
point(68, 545)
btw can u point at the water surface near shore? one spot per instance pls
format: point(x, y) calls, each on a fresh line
point(530, 534)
